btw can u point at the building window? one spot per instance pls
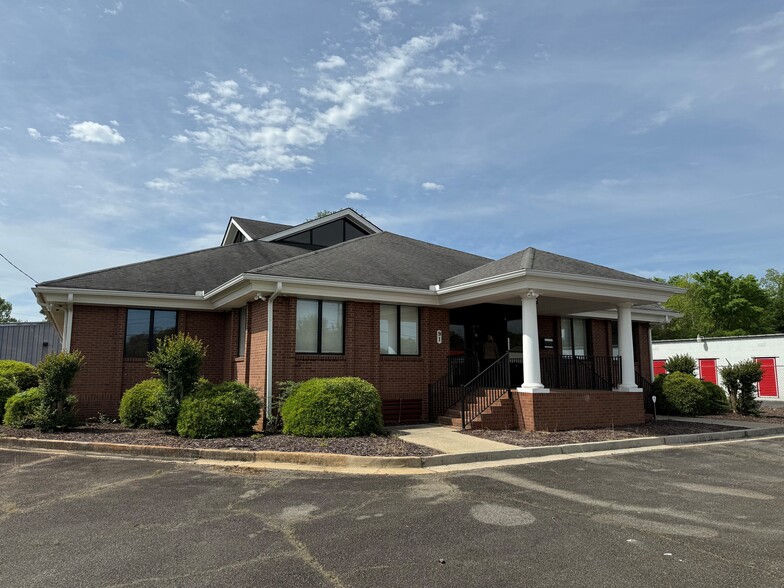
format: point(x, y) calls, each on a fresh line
point(332, 233)
point(399, 330)
point(241, 330)
point(144, 327)
point(319, 326)
point(616, 352)
point(573, 338)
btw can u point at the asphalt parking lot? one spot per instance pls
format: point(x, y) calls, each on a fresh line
point(711, 515)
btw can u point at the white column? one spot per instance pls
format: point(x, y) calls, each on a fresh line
point(531, 371)
point(626, 348)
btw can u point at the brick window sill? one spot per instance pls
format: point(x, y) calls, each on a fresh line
point(402, 358)
point(239, 360)
point(317, 357)
point(135, 359)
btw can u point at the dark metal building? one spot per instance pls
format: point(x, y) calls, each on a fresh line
point(28, 342)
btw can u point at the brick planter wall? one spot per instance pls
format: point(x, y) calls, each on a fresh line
point(560, 410)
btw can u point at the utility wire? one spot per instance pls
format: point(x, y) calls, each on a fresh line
point(18, 269)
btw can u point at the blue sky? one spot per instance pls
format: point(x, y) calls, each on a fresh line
point(647, 136)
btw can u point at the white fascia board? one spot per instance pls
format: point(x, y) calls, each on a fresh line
point(642, 315)
point(230, 292)
point(117, 298)
point(56, 318)
point(558, 285)
point(235, 224)
point(345, 213)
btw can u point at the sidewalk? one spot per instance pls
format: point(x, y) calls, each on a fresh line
point(447, 440)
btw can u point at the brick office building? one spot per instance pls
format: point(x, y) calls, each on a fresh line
point(338, 296)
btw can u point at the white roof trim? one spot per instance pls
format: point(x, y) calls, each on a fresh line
point(345, 213)
point(233, 224)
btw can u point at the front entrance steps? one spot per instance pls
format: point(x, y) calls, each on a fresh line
point(498, 416)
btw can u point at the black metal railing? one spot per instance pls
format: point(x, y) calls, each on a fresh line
point(580, 372)
point(441, 396)
point(647, 392)
point(485, 389)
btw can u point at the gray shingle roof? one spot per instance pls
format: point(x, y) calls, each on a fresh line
point(536, 259)
point(259, 229)
point(183, 274)
point(383, 259)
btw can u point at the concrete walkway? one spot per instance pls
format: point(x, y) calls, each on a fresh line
point(448, 440)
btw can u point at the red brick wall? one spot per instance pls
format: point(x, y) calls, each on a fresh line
point(578, 409)
point(99, 333)
point(397, 378)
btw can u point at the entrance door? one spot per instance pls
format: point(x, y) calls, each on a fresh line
point(768, 386)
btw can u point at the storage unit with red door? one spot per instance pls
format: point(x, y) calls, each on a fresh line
point(708, 371)
point(768, 386)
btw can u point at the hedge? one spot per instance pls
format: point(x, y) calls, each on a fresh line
point(22, 409)
point(7, 389)
point(148, 405)
point(229, 409)
point(24, 375)
point(333, 407)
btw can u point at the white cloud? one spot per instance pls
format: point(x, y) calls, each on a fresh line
point(118, 6)
point(93, 132)
point(239, 137)
point(774, 22)
point(331, 62)
point(682, 106)
point(432, 186)
point(60, 116)
point(34, 133)
point(54, 139)
point(162, 185)
point(356, 196)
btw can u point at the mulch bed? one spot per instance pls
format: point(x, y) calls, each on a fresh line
point(541, 438)
point(382, 445)
point(770, 415)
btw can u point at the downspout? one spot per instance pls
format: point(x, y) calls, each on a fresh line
point(68, 324)
point(650, 349)
point(270, 316)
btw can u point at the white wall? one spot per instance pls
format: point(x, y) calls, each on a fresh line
point(728, 349)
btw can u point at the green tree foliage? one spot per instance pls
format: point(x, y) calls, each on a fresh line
point(741, 379)
point(716, 304)
point(177, 361)
point(5, 312)
point(23, 374)
point(684, 363)
point(773, 284)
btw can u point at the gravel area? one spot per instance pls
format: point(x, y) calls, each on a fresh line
point(541, 438)
point(382, 445)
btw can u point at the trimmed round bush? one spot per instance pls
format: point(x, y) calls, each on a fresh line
point(148, 405)
point(683, 363)
point(7, 389)
point(685, 394)
point(23, 409)
point(229, 409)
point(24, 375)
point(717, 400)
point(333, 407)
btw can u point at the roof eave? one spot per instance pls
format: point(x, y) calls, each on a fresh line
point(345, 213)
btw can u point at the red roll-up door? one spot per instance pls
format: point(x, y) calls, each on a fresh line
point(658, 367)
point(708, 370)
point(768, 386)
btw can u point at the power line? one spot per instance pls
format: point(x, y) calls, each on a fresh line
point(19, 269)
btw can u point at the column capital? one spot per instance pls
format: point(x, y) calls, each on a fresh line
point(625, 304)
point(530, 294)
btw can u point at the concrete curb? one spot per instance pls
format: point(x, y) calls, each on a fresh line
point(334, 460)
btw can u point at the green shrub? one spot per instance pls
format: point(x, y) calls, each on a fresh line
point(717, 402)
point(177, 361)
point(741, 379)
point(229, 409)
point(24, 375)
point(658, 391)
point(57, 372)
point(274, 423)
point(148, 405)
point(685, 394)
point(22, 409)
point(684, 364)
point(7, 389)
point(333, 407)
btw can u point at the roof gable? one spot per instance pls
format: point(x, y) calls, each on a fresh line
point(536, 259)
point(250, 229)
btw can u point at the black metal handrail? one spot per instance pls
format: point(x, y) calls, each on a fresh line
point(647, 392)
point(441, 396)
point(485, 389)
point(580, 372)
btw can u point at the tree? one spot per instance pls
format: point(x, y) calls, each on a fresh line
point(773, 284)
point(716, 304)
point(5, 312)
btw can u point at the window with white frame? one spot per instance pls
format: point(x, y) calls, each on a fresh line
point(399, 330)
point(319, 326)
